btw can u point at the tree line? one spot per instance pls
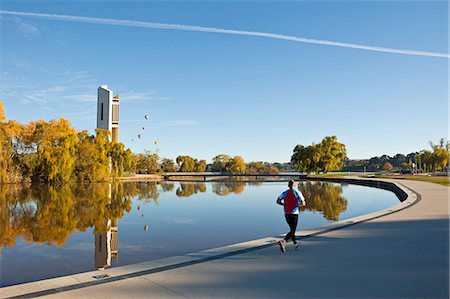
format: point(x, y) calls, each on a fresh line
point(54, 152)
point(432, 160)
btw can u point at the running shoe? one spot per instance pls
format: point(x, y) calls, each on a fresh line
point(282, 244)
point(297, 245)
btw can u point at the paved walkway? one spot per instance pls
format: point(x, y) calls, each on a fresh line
point(401, 255)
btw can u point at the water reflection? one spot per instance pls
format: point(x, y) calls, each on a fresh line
point(50, 214)
point(189, 189)
point(324, 197)
point(107, 245)
point(224, 188)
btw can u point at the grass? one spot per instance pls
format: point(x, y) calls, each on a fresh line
point(441, 180)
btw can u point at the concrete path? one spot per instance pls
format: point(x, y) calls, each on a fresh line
point(400, 255)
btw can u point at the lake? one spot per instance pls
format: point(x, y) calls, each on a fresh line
point(50, 231)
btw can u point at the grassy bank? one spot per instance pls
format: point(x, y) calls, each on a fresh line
point(441, 180)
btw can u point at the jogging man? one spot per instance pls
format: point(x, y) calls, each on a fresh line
point(291, 200)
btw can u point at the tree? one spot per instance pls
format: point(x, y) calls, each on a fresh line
point(440, 154)
point(186, 163)
point(236, 165)
point(332, 154)
point(120, 158)
point(2, 112)
point(9, 133)
point(167, 165)
point(92, 162)
point(146, 162)
point(200, 165)
point(55, 151)
point(220, 162)
point(260, 167)
point(387, 166)
point(326, 156)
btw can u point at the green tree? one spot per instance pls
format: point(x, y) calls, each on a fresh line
point(440, 154)
point(329, 155)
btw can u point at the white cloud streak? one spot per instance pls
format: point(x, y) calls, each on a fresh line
point(150, 25)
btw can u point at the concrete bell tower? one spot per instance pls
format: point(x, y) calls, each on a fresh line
point(107, 243)
point(108, 112)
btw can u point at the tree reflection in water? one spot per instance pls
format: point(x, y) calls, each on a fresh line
point(224, 188)
point(49, 214)
point(187, 189)
point(324, 197)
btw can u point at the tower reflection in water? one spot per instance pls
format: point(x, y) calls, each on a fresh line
point(107, 245)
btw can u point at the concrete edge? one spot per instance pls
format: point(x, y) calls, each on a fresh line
point(65, 283)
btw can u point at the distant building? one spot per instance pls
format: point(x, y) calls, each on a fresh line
point(108, 112)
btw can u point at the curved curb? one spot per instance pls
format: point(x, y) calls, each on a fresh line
point(407, 196)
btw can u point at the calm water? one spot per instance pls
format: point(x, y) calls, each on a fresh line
point(48, 232)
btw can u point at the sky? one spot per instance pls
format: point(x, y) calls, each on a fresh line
point(253, 78)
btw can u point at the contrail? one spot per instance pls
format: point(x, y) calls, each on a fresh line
point(139, 24)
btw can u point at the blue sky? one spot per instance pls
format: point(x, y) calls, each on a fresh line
point(210, 93)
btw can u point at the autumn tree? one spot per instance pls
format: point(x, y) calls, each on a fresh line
point(236, 165)
point(186, 163)
point(120, 158)
point(10, 132)
point(388, 166)
point(220, 162)
point(56, 146)
point(167, 165)
point(200, 165)
point(146, 162)
point(92, 162)
point(260, 167)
